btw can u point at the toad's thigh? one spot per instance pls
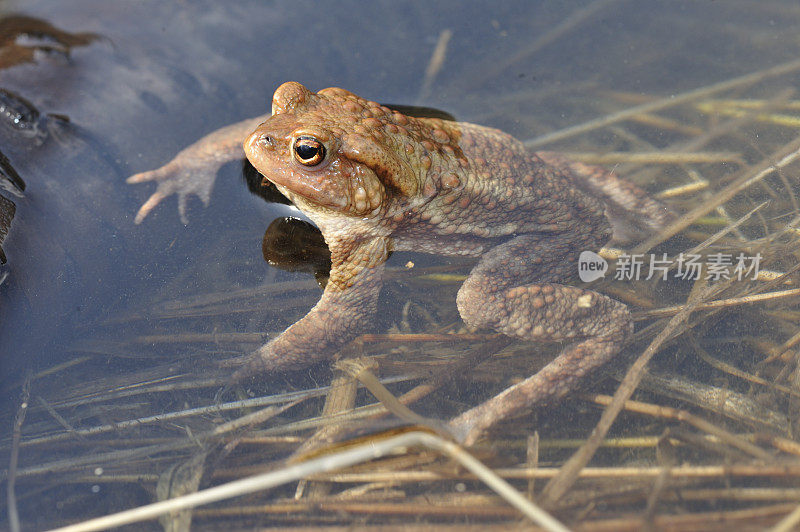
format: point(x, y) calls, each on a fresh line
point(528, 259)
point(516, 289)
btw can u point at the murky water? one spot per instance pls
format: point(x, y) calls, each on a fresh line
point(127, 303)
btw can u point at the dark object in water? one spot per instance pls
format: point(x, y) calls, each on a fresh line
point(293, 245)
point(7, 210)
point(22, 37)
point(420, 112)
point(8, 173)
point(261, 187)
point(19, 114)
point(23, 119)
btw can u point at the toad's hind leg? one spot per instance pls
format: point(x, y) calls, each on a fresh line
point(514, 289)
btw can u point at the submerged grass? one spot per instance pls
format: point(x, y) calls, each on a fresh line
point(700, 432)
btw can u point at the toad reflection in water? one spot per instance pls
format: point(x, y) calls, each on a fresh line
point(375, 180)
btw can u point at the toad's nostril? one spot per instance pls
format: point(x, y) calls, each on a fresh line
point(257, 143)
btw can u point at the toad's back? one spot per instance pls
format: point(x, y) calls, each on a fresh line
point(481, 182)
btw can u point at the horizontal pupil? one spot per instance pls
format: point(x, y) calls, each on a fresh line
point(306, 152)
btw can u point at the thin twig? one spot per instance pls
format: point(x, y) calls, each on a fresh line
point(788, 523)
point(788, 471)
point(435, 64)
point(557, 486)
point(691, 419)
point(719, 303)
point(532, 460)
point(95, 459)
point(669, 101)
point(786, 155)
point(58, 417)
point(570, 22)
point(732, 370)
point(362, 453)
point(655, 157)
point(289, 397)
point(359, 370)
point(13, 515)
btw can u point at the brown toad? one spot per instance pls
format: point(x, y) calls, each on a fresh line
point(374, 180)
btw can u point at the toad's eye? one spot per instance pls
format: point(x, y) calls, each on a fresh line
point(308, 151)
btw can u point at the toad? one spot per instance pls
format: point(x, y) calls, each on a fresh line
point(375, 180)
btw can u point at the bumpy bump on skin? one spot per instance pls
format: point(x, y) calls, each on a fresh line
point(288, 96)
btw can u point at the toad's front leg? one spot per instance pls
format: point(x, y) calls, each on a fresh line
point(194, 169)
point(495, 296)
point(345, 310)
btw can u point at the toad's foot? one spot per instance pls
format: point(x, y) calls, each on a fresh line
point(552, 382)
point(541, 311)
point(195, 168)
point(178, 176)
